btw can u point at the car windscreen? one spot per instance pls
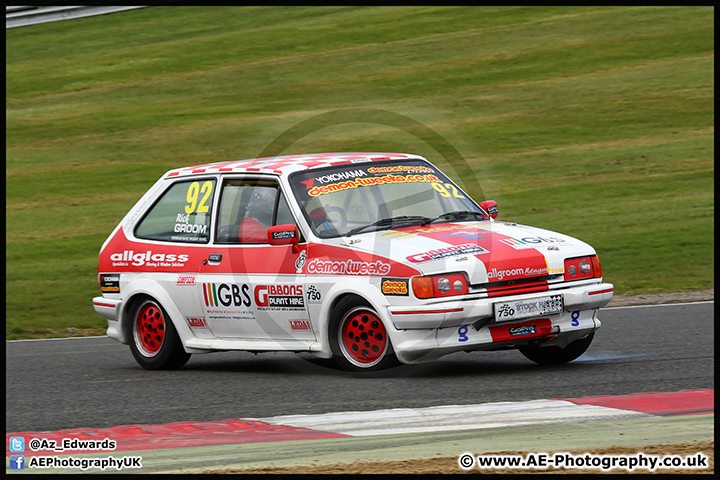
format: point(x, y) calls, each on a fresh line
point(351, 198)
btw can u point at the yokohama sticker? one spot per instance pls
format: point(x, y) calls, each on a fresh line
point(110, 282)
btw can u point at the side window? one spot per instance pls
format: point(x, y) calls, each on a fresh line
point(283, 216)
point(248, 208)
point(181, 215)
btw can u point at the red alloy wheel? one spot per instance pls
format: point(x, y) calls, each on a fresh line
point(150, 328)
point(363, 338)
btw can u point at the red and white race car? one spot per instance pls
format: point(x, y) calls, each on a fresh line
point(368, 258)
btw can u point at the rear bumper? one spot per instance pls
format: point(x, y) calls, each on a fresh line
point(110, 309)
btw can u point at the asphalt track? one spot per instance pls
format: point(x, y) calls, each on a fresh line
point(94, 382)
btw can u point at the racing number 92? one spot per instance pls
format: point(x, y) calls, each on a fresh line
point(194, 192)
point(442, 189)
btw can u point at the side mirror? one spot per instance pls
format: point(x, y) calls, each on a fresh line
point(490, 206)
point(283, 235)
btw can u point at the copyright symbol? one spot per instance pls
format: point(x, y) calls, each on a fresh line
point(34, 444)
point(466, 461)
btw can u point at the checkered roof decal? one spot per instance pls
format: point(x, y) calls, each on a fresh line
point(287, 164)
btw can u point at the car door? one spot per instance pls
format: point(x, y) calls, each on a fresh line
point(249, 288)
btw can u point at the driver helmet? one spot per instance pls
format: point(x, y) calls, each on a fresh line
point(262, 204)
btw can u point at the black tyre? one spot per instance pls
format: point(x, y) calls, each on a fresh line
point(557, 355)
point(358, 338)
point(154, 342)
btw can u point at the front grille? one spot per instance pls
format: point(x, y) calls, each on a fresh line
point(514, 287)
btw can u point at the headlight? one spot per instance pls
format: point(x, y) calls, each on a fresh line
point(582, 267)
point(440, 285)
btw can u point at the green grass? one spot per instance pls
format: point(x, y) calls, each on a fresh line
point(592, 121)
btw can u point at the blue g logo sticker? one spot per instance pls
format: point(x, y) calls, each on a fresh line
point(462, 334)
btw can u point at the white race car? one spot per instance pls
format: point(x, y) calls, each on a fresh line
point(372, 259)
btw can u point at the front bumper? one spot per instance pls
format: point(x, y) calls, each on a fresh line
point(432, 331)
point(470, 309)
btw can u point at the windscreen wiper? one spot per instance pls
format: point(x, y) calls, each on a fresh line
point(461, 215)
point(386, 222)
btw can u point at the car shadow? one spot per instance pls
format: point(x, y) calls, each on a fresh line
point(454, 365)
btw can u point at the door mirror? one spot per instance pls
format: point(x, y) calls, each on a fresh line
point(490, 206)
point(283, 235)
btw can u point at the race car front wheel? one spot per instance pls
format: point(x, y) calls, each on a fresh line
point(154, 341)
point(358, 338)
point(557, 355)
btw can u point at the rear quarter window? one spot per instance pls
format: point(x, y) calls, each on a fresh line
point(182, 214)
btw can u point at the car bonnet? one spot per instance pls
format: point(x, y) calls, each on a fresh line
point(485, 251)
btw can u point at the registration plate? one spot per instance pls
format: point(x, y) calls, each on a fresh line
point(534, 307)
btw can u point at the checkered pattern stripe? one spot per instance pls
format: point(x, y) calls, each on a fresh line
point(286, 164)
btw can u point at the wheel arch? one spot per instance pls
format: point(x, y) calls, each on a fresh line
point(358, 287)
point(144, 288)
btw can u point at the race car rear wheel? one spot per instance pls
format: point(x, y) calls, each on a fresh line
point(358, 338)
point(154, 341)
point(557, 355)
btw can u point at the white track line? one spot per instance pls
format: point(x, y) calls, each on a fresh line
point(452, 417)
